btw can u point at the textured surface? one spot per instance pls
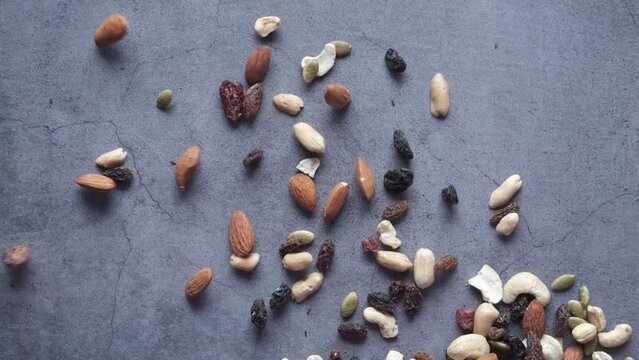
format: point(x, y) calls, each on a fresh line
point(545, 90)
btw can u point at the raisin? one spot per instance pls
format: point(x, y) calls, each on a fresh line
point(401, 144)
point(280, 296)
point(496, 334)
point(518, 308)
point(396, 290)
point(119, 174)
point(449, 194)
point(465, 319)
point(510, 208)
point(533, 347)
point(232, 95)
point(335, 355)
point(517, 348)
point(398, 180)
point(412, 299)
point(396, 210)
point(561, 320)
point(503, 320)
point(446, 263)
point(325, 256)
point(381, 302)
point(422, 356)
point(352, 331)
point(394, 61)
point(258, 314)
point(289, 247)
point(253, 100)
point(253, 158)
point(371, 245)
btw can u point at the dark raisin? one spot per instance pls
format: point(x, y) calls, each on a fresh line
point(394, 61)
point(412, 299)
point(503, 320)
point(289, 247)
point(396, 290)
point(258, 314)
point(280, 296)
point(517, 348)
point(335, 355)
point(446, 263)
point(396, 210)
point(325, 256)
point(465, 319)
point(398, 180)
point(510, 208)
point(420, 355)
point(119, 174)
point(371, 245)
point(253, 100)
point(533, 347)
point(561, 320)
point(401, 144)
point(381, 302)
point(253, 158)
point(518, 308)
point(496, 334)
point(232, 96)
point(449, 194)
point(352, 331)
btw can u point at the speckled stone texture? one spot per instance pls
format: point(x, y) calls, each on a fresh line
point(545, 89)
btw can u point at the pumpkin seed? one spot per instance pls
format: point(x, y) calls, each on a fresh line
point(301, 237)
point(349, 305)
point(591, 346)
point(584, 296)
point(563, 282)
point(310, 70)
point(342, 48)
point(164, 99)
point(576, 309)
point(573, 321)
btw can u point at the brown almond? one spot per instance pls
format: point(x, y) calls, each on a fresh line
point(534, 319)
point(490, 356)
point(185, 167)
point(337, 96)
point(112, 29)
point(199, 282)
point(253, 100)
point(364, 178)
point(16, 256)
point(257, 65)
point(335, 201)
point(241, 234)
point(96, 182)
point(303, 191)
point(575, 352)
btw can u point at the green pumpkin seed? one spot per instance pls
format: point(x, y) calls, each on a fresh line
point(576, 309)
point(573, 321)
point(591, 346)
point(301, 237)
point(342, 48)
point(164, 99)
point(310, 70)
point(499, 347)
point(563, 282)
point(349, 305)
point(584, 296)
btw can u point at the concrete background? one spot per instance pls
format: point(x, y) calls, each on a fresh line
point(548, 90)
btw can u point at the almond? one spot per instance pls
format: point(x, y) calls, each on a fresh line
point(257, 65)
point(534, 319)
point(364, 178)
point(96, 182)
point(335, 201)
point(490, 356)
point(337, 96)
point(185, 167)
point(303, 191)
point(112, 29)
point(199, 282)
point(574, 352)
point(241, 234)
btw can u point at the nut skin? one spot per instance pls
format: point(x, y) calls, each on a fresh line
point(257, 65)
point(198, 283)
point(111, 30)
point(335, 201)
point(241, 234)
point(186, 166)
point(337, 96)
point(534, 319)
point(365, 179)
point(16, 256)
point(96, 183)
point(303, 191)
point(253, 100)
point(574, 352)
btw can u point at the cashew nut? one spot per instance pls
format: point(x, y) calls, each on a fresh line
point(469, 346)
point(387, 325)
point(394, 355)
point(615, 337)
point(507, 224)
point(488, 282)
point(424, 269)
point(585, 332)
point(326, 59)
point(393, 260)
point(307, 286)
point(502, 195)
point(596, 317)
point(525, 283)
point(485, 316)
point(297, 261)
point(245, 264)
point(600, 355)
point(266, 25)
point(387, 234)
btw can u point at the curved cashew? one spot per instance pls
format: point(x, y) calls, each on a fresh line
point(326, 59)
point(470, 346)
point(585, 332)
point(525, 283)
point(245, 264)
point(485, 316)
point(616, 337)
point(394, 355)
point(502, 195)
point(600, 355)
point(387, 325)
point(488, 282)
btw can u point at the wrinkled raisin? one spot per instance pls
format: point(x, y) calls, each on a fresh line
point(232, 96)
point(510, 208)
point(533, 347)
point(465, 319)
point(289, 247)
point(119, 174)
point(496, 334)
point(396, 290)
point(352, 331)
point(280, 296)
point(394, 61)
point(518, 308)
point(401, 144)
point(371, 245)
point(253, 100)
point(258, 314)
point(422, 356)
point(503, 320)
point(253, 158)
point(381, 302)
point(335, 355)
point(325, 256)
point(517, 348)
point(561, 320)
point(446, 263)
point(449, 194)
point(398, 180)
point(396, 210)
point(412, 299)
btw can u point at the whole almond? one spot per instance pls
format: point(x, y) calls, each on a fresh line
point(335, 201)
point(198, 282)
point(288, 103)
point(241, 234)
point(574, 352)
point(112, 29)
point(534, 319)
point(111, 159)
point(310, 139)
point(186, 166)
point(303, 191)
point(337, 96)
point(257, 65)
point(364, 178)
point(96, 182)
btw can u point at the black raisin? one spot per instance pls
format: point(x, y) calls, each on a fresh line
point(371, 245)
point(517, 348)
point(396, 290)
point(119, 174)
point(381, 302)
point(503, 320)
point(398, 180)
point(412, 299)
point(449, 194)
point(394, 61)
point(289, 247)
point(533, 347)
point(561, 320)
point(258, 314)
point(335, 355)
point(510, 208)
point(280, 296)
point(401, 144)
point(325, 256)
point(352, 331)
point(253, 158)
point(518, 308)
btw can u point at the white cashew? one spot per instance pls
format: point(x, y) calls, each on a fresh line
point(525, 283)
point(616, 337)
point(507, 224)
point(245, 264)
point(485, 316)
point(469, 346)
point(387, 325)
point(600, 355)
point(326, 59)
point(307, 286)
point(488, 282)
point(585, 332)
point(393, 261)
point(394, 355)
point(502, 195)
point(309, 166)
point(424, 269)
point(597, 317)
point(387, 234)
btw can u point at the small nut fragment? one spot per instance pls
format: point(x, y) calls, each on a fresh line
point(335, 201)
point(563, 282)
point(257, 65)
point(199, 282)
point(186, 166)
point(601, 355)
point(394, 355)
point(584, 296)
point(551, 348)
point(525, 283)
point(439, 96)
point(349, 304)
point(245, 263)
point(615, 337)
point(573, 321)
point(96, 182)
point(309, 138)
point(266, 25)
point(309, 166)
point(337, 96)
point(574, 352)
point(576, 309)
point(111, 30)
point(424, 270)
point(310, 70)
point(485, 316)
point(469, 346)
point(364, 179)
point(489, 283)
point(585, 332)
point(342, 48)
point(303, 191)
point(387, 324)
point(508, 224)
point(307, 286)
point(164, 99)
point(393, 260)
point(111, 159)
point(288, 103)
point(297, 261)
point(16, 256)
point(596, 317)
point(326, 59)
point(387, 234)
point(505, 192)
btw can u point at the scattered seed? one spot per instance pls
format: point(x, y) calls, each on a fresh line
point(325, 256)
point(253, 158)
point(232, 96)
point(349, 305)
point(576, 309)
point(574, 321)
point(563, 282)
point(119, 174)
point(412, 299)
point(310, 70)
point(258, 314)
point(302, 237)
point(510, 208)
point(561, 320)
point(16, 256)
point(591, 346)
point(381, 302)
point(394, 61)
point(342, 48)
point(398, 180)
point(465, 319)
point(584, 296)
point(371, 245)
point(164, 99)
point(396, 210)
point(396, 290)
point(401, 144)
point(449, 194)
point(352, 331)
point(253, 100)
point(280, 296)
point(446, 263)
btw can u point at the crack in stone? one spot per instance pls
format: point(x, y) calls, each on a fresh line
point(632, 16)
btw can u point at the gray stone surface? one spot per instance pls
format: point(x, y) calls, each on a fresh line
point(545, 89)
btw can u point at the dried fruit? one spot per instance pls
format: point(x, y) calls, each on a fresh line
point(518, 308)
point(266, 25)
point(335, 201)
point(394, 61)
point(381, 302)
point(337, 96)
point(496, 334)
point(574, 352)
point(288, 103)
point(309, 166)
point(485, 316)
point(186, 166)
point(232, 96)
point(422, 356)
point(349, 304)
point(439, 96)
point(449, 194)
point(164, 99)
point(342, 48)
point(401, 144)
point(503, 320)
point(280, 296)
point(561, 320)
point(16, 256)
point(257, 65)
point(111, 30)
point(119, 174)
point(507, 224)
point(371, 245)
point(289, 247)
point(510, 208)
point(325, 256)
point(396, 290)
point(334, 355)
point(446, 263)
point(253, 100)
point(502, 194)
point(533, 347)
point(517, 347)
point(307, 286)
point(392, 260)
point(563, 282)
point(309, 138)
point(245, 264)
point(199, 282)
point(111, 159)
point(534, 319)
point(412, 299)
point(352, 331)
point(259, 316)
point(310, 70)
point(241, 234)
point(297, 261)
point(398, 180)
point(364, 179)
point(303, 191)
point(96, 182)
point(396, 210)
point(326, 59)
point(253, 158)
